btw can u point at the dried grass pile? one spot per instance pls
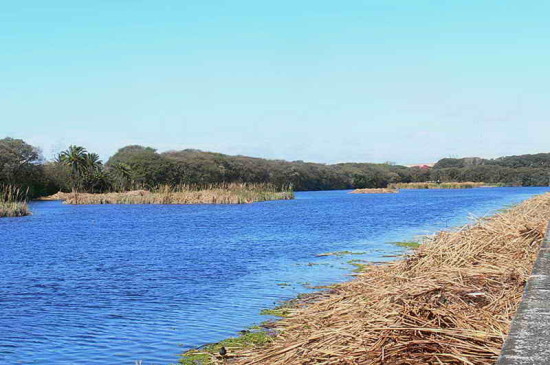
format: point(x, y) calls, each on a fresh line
point(375, 191)
point(450, 302)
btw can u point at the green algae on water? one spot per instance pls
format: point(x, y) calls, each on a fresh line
point(360, 265)
point(407, 244)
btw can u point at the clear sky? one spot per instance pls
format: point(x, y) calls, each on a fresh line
point(327, 81)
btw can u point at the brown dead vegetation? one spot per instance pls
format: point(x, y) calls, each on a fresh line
point(450, 302)
point(222, 194)
point(375, 191)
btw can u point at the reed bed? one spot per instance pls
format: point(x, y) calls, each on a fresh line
point(57, 196)
point(185, 194)
point(13, 201)
point(375, 191)
point(444, 185)
point(450, 302)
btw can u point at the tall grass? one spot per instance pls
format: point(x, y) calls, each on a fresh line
point(186, 194)
point(434, 185)
point(13, 201)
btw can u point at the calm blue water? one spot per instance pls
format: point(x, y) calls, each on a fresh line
point(115, 284)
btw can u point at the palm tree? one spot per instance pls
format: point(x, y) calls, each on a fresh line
point(98, 181)
point(94, 176)
point(93, 163)
point(76, 158)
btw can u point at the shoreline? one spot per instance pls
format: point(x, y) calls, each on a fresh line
point(287, 342)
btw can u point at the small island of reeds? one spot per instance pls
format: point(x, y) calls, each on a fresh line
point(184, 194)
point(443, 185)
point(375, 191)
point(13, 201)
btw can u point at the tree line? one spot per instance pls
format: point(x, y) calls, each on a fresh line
point(139, 167)
point(521, 170)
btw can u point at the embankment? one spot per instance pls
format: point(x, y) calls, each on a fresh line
point(451, 301)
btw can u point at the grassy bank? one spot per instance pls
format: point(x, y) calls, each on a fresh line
point(444, 185)
point(13, 202)
point(214, 194)
point(375, 191)
point(450, 302)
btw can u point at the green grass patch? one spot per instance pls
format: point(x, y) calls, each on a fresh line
point(196, 357)
point(278, 312)
point(207, 354)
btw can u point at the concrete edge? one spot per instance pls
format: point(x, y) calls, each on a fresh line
point(528, 342)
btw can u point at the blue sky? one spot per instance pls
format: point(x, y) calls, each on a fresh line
point(326, 81)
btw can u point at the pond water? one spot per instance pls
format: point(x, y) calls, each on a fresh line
point(115, 284)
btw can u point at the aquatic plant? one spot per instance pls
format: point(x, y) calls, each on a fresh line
point(407, 244)
point(451, 301)
point(360, 265)
point(13, 201)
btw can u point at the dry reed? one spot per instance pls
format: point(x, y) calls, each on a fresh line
point(434, 185)
point(450, 302)
point(184, 194)
point(13, 201)
point(375, 191)
point(57, 196)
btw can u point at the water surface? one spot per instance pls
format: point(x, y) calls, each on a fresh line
point(115, 284)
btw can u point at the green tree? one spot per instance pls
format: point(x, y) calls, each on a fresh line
point(76, 159)
point(93, 163)
point(16, 159)
point(122, 175)
point(21, 165)
point(149, 169)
